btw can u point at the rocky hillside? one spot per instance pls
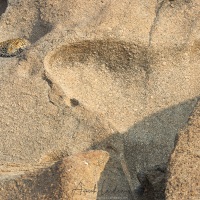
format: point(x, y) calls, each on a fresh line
point(94, 103)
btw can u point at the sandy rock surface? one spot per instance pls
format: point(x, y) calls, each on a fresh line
point(183, 182)
point(105, 74)
point(93, 175)
point(75, 177)
point(24, 181)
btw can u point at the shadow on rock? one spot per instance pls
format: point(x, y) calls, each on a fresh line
point(138, 151)
point(3, 6)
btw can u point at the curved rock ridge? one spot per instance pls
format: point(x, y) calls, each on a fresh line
point(112, 75)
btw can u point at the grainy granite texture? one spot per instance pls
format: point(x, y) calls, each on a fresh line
point(183, 181)
point(119, 76)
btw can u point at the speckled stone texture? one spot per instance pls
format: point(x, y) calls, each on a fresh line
point(184, 174)
point(112, 75)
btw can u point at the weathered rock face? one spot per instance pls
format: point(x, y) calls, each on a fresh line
point(80, 175)
point(184, 174)
point(88, 175)
point(124, 74)
point(24, 181)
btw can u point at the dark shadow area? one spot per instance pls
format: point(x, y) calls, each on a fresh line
point(146, 144)
point(3, 6)
point(152, 182)
point(47, 184)
point(39, 184)
point(40, 29)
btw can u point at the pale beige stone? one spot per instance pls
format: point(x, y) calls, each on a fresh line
point(97, 70)
point(81, 173)
point(184, 174)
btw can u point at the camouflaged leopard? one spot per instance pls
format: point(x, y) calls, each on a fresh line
point(13, 47)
